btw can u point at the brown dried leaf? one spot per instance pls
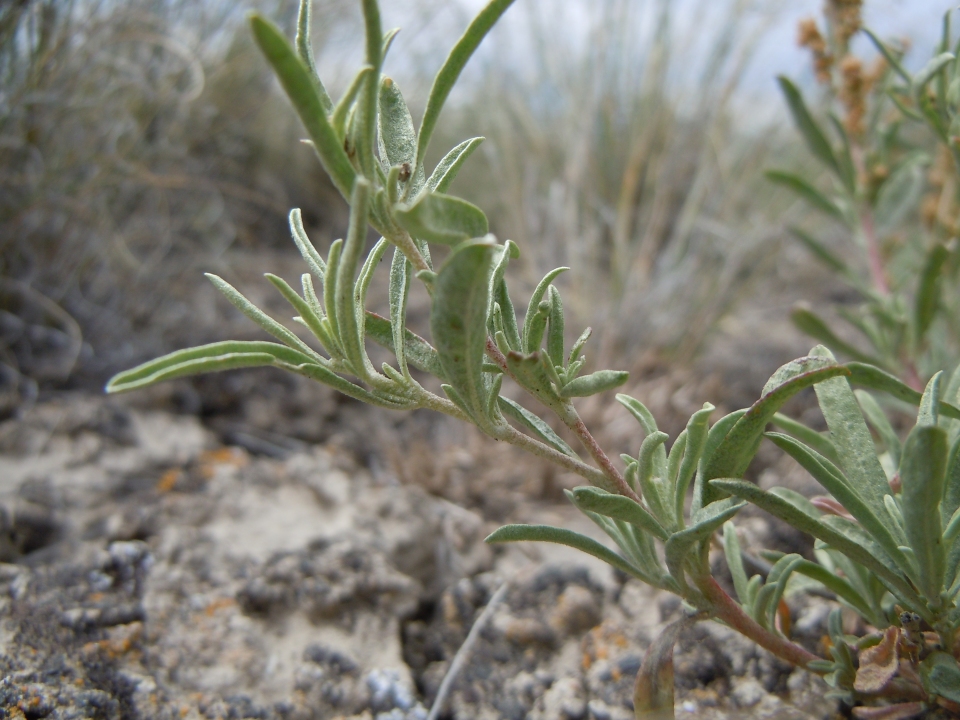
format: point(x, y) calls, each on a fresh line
point(878, 664)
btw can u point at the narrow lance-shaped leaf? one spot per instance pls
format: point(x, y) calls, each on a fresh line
point(929, 411)
point(929, 71)
point(874, 378)
point(305, 52)
point(651, 482)
point(617, 507)
point(535, 424)
point(704, 523)
point(458, 319)
point(812, 134)
point(307, 315)
point(697, 431)
point(297, 82)
point(418, 351)
point(891, 59)
point(258, 316)
point(734, 453)
point(874, 520)
point(555, 333)
point(443, 219)
point(351, 339)
point(878, 420)
point(643, 416)
point(841, 587)
point(922, 473)
point(818, 441)
point(951, 490)
point(453, 66)
point(341, 112)
point(928, 293)
point(205, 358)
point(715, 436)
point(807, 191)
point(398, 139)
point(307, 250)
point(855, 448)
point(400, 270)
point(768, 599)
point(778, 505)
point(810, 323)
point(533, 307)
point(447, 169)
point(594, 383)
point(560, 536)
point(731, 549)
point(366, 107)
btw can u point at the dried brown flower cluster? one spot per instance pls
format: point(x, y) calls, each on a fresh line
point(845, 20)
point(938, 206)
point(809, 36)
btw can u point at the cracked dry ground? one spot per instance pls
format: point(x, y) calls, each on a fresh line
point(150, 572)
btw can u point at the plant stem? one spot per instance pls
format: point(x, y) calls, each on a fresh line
point(724, 607)
point(575, 423)
point(873, 253)
point(596, 477)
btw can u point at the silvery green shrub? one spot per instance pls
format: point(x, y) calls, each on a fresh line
point(888, 534)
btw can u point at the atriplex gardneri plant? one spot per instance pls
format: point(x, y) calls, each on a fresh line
point(891, 156)
point(873, 555)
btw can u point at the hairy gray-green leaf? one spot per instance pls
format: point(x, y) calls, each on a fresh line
point(205, 358)
point(299, 86)
point(928, 292)
point(307, 250)
point(447, 169)
point(443, 219)
point(345, 301)
point(258, 316)
point(703, 524)
point(874, 520)
point(878, 419)
point(922, 473)
point(594, 383)
point(715, 436)
point(555, 333)
point(305, 52)
point(533, 308)
point(809, 322)
point(417, 351)
point(818, 441)
point(458, 319)
point(400, 270)
point(617, 507)
point(808, 127)
point(806, 191)
point(876, 379)
point(535, 425)
point(560, 536)
point(731, 549)
point(733, 454)
point(453, 66)
point(805, 519)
